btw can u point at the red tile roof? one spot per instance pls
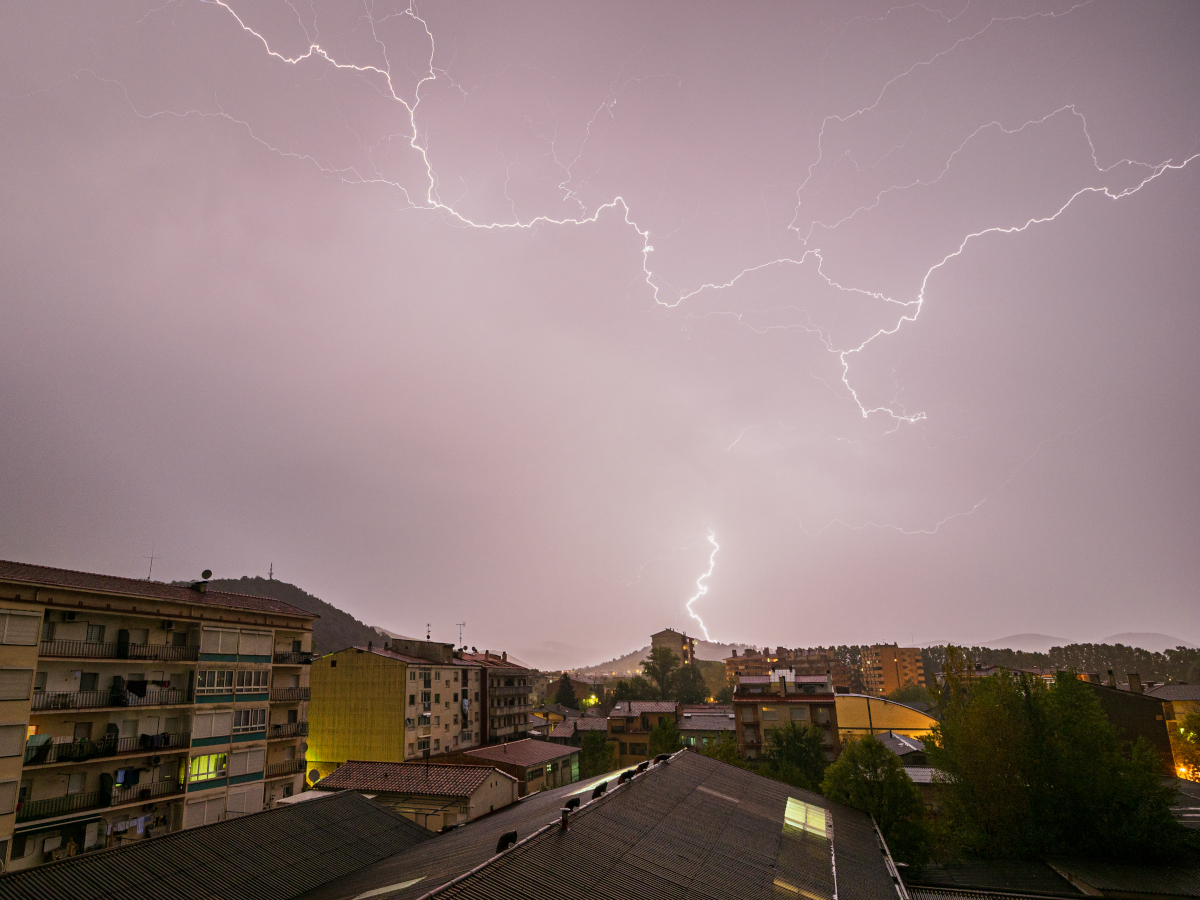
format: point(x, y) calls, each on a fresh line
point(637, 707)
point(522, 753)
point(409, 778)
point(570, 726)
point(491, 660)
point(44, 576)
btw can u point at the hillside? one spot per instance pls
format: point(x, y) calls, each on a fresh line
point(335, 630)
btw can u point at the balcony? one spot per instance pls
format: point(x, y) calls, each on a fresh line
point(289, 694)
point(45, 754)
point(294, 658)
point(288, 730)
point(115, 650)
point(287, 767)
point(51, 700)
point(60, 806)
point(509, 691)
point(145, 793)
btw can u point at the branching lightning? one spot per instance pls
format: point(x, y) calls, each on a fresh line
point(701, 587)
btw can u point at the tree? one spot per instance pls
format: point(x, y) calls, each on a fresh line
point(725, 694)
point(660, 665)
point(868, 776)
point(665, 737)
point(636, 688)
point(597, 755)
point(795, 755)
point(689, 685)
point(725, 750)
point(1185, 744)
point(564, 694)
point(912, 693)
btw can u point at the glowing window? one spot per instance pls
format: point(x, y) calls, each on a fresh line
point(804, 817)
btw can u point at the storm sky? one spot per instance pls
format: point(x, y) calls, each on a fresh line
point(493, 312)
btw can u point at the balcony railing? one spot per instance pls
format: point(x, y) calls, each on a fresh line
point(509, 691)
point(288, 730)
point(46, 700)
point(283, 695)
point(287, 767)
point(145, 792)
point(81, 751)
point(59, 806)
point(116, 650)
point(294, 658)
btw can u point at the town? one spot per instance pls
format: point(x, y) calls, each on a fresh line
point(157, 736)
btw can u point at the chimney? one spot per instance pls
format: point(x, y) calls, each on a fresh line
point(370, 644)
point(1112, 679)
point(1135, 682)
point(504, 656)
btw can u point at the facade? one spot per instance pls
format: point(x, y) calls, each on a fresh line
point(705, 724)
point(398, 703)
point(433, 796)
point(860, 714)
point(1179, 701)
point(507, 697)
point(133, 708)
point(763, 702)
point(887, 667)
point(571, 731)
point(630, 724)
point(1134, 715)
point(537, 765)
point(680, 644)
point(802, 661)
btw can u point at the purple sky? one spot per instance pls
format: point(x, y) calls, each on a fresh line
point(249, 316)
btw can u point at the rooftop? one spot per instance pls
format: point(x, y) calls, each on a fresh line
point(491, 660)
point(899, 744)
point(527, 752)
point(637, 707)
point(409, 778)
point(1174, 692)
point(568, 728)
point(44, 576)
point(273, 855)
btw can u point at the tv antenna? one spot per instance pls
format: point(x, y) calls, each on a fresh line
point(152, 558)
point(427, 626)
point(271, 573)
point(461, 626)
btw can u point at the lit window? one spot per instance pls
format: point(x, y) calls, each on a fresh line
point(804, 817)
point(206, 768)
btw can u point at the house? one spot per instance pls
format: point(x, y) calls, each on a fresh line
point(1135, 714)
point(433, 796)
point(860, 714)
point(1179, 701)
point(630, 724)
point(536, 765)
point(571, 731)
point(132, 708)
point(763, 702)
point(705, 724)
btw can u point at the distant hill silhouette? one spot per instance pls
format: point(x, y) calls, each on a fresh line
point(335, 630)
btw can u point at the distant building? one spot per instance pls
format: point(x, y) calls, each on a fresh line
point(763, 702)
point(536, 765)
point(571, 731)
point(705, 724)
point(384, 705)
point(433, 796)
point(507, 696)
point(859, 714)
point(1178, 700)
point(131, 708)
point(630, 724)
point(680, 644)
point(1135, 714)
point(888, 667)
point(802, 661)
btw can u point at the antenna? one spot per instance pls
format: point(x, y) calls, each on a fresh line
point(461, 626)
point(152, 558)
point(426, 631)
point(271, 573)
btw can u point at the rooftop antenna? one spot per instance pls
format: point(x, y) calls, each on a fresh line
point(426, 631)
point(271, 573)
point(152, 558)
point(461, 626)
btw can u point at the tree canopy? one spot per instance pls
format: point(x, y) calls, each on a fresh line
point(635, 688)
point(564, 693)
point(794, 754)
point(1185, 744)
point(688, 685)
point(597, 755)
point(660, 666)
point(665, 737)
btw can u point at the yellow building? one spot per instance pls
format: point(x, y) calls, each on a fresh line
point(1179, 701)
point(371, 703)
point(887, 667)
point(858, 714)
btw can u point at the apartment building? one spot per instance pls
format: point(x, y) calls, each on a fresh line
point(680, 644)
point(508, 693)
point(802, 661)
point(887, 667)
point(399, 702)
point(763, 702)
point(630, 724)
point(134, 708)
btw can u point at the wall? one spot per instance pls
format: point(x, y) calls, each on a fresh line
point(356, 710)
point(884, 715)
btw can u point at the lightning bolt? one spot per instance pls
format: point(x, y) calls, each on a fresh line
point(701, 587)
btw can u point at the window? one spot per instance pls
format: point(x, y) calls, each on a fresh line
point(456, 696)
point(822, 715)
point(254, 643)
point(437, 698)
point(76, 782)
point(333, 664)
point(8, 797)
point(423, 745)
point(214, 640)
point(246, 763)
point(245, 720)
point(214, 681)
point(12, 739)
point(210, 725)
point(14, 683)
point(799, 713)
point(770, 714)
point(47, 631)
point(412, 699)
point(39, 682)
point(253, 680)
point(412, 676)
point(437, 744)
point(19, 627)
point(206, 768)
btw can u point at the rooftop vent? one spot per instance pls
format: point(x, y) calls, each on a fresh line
point(506, 840)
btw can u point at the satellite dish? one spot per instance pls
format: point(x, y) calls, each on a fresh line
point(206, 574)
point(314, 776)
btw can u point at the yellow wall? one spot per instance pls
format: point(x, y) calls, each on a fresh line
point(885, 715)
point(356, 711)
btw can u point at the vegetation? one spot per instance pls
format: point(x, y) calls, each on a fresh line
point(713, 672)
point(1035, 771)
point(1186, 747)
point(726, 750)
point(1180, 664)
point(912, 693)
point(635, 688)
point(665, 737)
point(869, 776)
point(564, 693)
point(660, 666)
point(725, 694)
point(597, 755)
point(688, 685)
point(794, 755)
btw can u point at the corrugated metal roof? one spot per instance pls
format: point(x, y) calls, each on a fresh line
point(273, 855)
point(44, 576)
point(1120, 878)
point(1175, 692)
point(521, 753)
point(409, 778)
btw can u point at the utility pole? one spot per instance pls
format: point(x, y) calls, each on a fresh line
point(271, 573)
point(152, 558)
point(461, 626)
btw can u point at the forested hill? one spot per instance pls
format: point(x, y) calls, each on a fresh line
point(1180, 664)
point(335, 630)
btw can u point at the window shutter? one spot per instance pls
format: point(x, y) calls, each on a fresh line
point(228, 642)
point(237, 764)
point(254, 760)
point(12, 740)
point(194, 814)
point(222, 724)
point(22, 628)
point(202, 725)
point(8, 797)
point(213, 809)
point(15, 683)
point(210, 642)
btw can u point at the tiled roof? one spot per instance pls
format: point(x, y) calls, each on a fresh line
point(707, 722)
point(899, 744)
point(1175, 692)
point(637, 707)
point(491, 661)
point(521, 753)
point(273, 855)
point(44, 576)
point(409, 778)
point(754, 679)
point(570, 726)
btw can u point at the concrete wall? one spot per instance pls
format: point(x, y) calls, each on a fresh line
point(356, 711)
